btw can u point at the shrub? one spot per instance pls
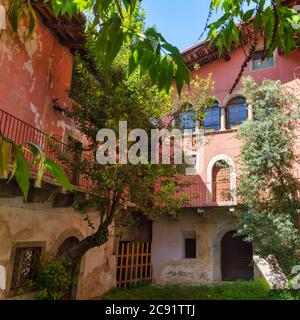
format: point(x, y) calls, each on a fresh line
point(53, 279)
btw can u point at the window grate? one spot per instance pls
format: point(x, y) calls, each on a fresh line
point(25, 264)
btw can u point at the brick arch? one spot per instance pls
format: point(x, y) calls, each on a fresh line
point(209, 175)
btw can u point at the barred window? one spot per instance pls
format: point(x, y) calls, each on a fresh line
point(25, 264)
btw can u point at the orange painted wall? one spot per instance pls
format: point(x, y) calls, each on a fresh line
point(224, 74)
point(32, 73)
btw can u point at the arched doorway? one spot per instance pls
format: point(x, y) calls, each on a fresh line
point(64, 247)
point(236, 258)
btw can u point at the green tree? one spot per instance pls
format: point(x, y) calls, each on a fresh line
point(268, 186)
point(106, 98)
point(275, 21)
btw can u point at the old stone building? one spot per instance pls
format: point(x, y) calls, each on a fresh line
point(198, 245)
point(33, 74)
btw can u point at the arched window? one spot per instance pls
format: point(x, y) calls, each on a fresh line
point(221, 182)
point(212, 117)
point(237, 112)
point(188, 120)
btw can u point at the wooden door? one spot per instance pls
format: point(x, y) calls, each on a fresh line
point(221, 183)
point(236, 258)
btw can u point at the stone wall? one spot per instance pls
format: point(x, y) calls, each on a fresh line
point(169, 264)
point(22, 223)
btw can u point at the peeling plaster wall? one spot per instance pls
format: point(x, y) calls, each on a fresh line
point(169, 265)
point(20, 222)
point(32, 73)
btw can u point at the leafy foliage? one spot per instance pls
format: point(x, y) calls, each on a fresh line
point(17, 156)
point(53, 279)
point(112, 97)
point(275, 21)
point(108, 97)
point(113, 24)
point(268, 187)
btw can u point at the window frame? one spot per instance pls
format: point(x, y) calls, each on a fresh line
point(20, 245)
point(264, 67)
point(188, 236)
point(214, 107)
point(192, 250)
point(186, 113)
point(230, 105)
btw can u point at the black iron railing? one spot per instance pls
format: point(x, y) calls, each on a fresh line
point(21, 132)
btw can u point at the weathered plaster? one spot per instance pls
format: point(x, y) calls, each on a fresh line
point(169, 265)
point(38, 222)
point(37, 118)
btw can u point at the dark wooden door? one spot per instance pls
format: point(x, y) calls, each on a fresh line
point(236, 258)
point(64, 247)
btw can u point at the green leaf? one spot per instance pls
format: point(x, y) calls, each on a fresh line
point(32, 21)
point(4, 158)
point(21, 169)
point(39, 160)
point(130, 5)
point(248, 15)
point(56, 6)
point(14, 15)
point(235, 33)
point(58, 174)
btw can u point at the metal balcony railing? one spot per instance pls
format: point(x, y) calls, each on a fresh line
point(204, 194)
point(20, 132)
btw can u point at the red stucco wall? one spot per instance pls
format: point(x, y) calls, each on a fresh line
point(224, 74)
point(32, 73)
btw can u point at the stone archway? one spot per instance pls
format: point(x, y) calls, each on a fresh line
point(209, 175)
point(236, 258)
point(62, 250)
point(216, 248)
point(67, 240)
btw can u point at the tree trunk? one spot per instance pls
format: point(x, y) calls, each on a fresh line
point(97, 239)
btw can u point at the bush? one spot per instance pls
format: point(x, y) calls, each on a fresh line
point(53, 279)
point(284, 295)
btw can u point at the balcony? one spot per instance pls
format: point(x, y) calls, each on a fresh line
point(200, 194)
point(21, 132)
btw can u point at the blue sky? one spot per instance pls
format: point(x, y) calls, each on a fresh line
point(180, 22)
